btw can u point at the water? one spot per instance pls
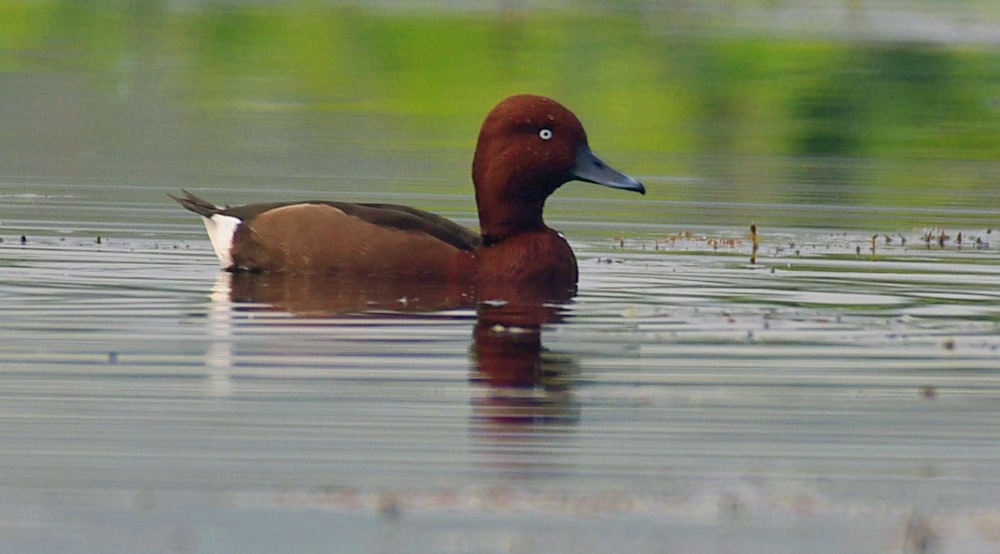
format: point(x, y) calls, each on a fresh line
point(819, 399)
point(836, 394)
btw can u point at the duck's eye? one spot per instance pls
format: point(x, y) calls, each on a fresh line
point(545, 134)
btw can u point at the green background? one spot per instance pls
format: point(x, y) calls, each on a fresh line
point(790, 113)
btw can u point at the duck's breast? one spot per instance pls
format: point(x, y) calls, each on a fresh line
point(539, 257)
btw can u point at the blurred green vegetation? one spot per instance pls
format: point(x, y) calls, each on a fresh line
point(674, 95)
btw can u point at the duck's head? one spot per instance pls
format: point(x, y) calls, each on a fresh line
point(528, 147)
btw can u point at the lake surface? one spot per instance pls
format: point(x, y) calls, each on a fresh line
point(839, 391)
point(820, 399)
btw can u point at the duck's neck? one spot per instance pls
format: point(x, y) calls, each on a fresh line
point(503, 219)
point(510, 196)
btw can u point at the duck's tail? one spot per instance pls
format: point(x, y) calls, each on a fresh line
point(195, 204)
point(221, 227)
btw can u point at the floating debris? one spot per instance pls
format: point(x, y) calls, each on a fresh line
point(389, 506)
point(24, 239)
point(919, 536)
point(935, 235)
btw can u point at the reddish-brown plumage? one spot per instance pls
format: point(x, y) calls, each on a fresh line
point(535, 256)
point(322, 238)
point(528, 147)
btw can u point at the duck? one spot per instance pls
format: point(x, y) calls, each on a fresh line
point(528, 147)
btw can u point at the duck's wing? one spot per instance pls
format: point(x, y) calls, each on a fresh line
point(326, 236)
point(394, 216)
point(411, 219)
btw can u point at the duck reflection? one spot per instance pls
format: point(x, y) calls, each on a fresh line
point(312, 295)
point(525, 383)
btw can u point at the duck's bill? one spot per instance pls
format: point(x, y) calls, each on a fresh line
point(588, 167)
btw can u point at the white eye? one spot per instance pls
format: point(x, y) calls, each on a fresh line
point(545, 134)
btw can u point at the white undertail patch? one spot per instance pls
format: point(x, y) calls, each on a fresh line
point(221, 229)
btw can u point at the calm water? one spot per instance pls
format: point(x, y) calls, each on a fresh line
point(839, 394)
point(818, 400)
